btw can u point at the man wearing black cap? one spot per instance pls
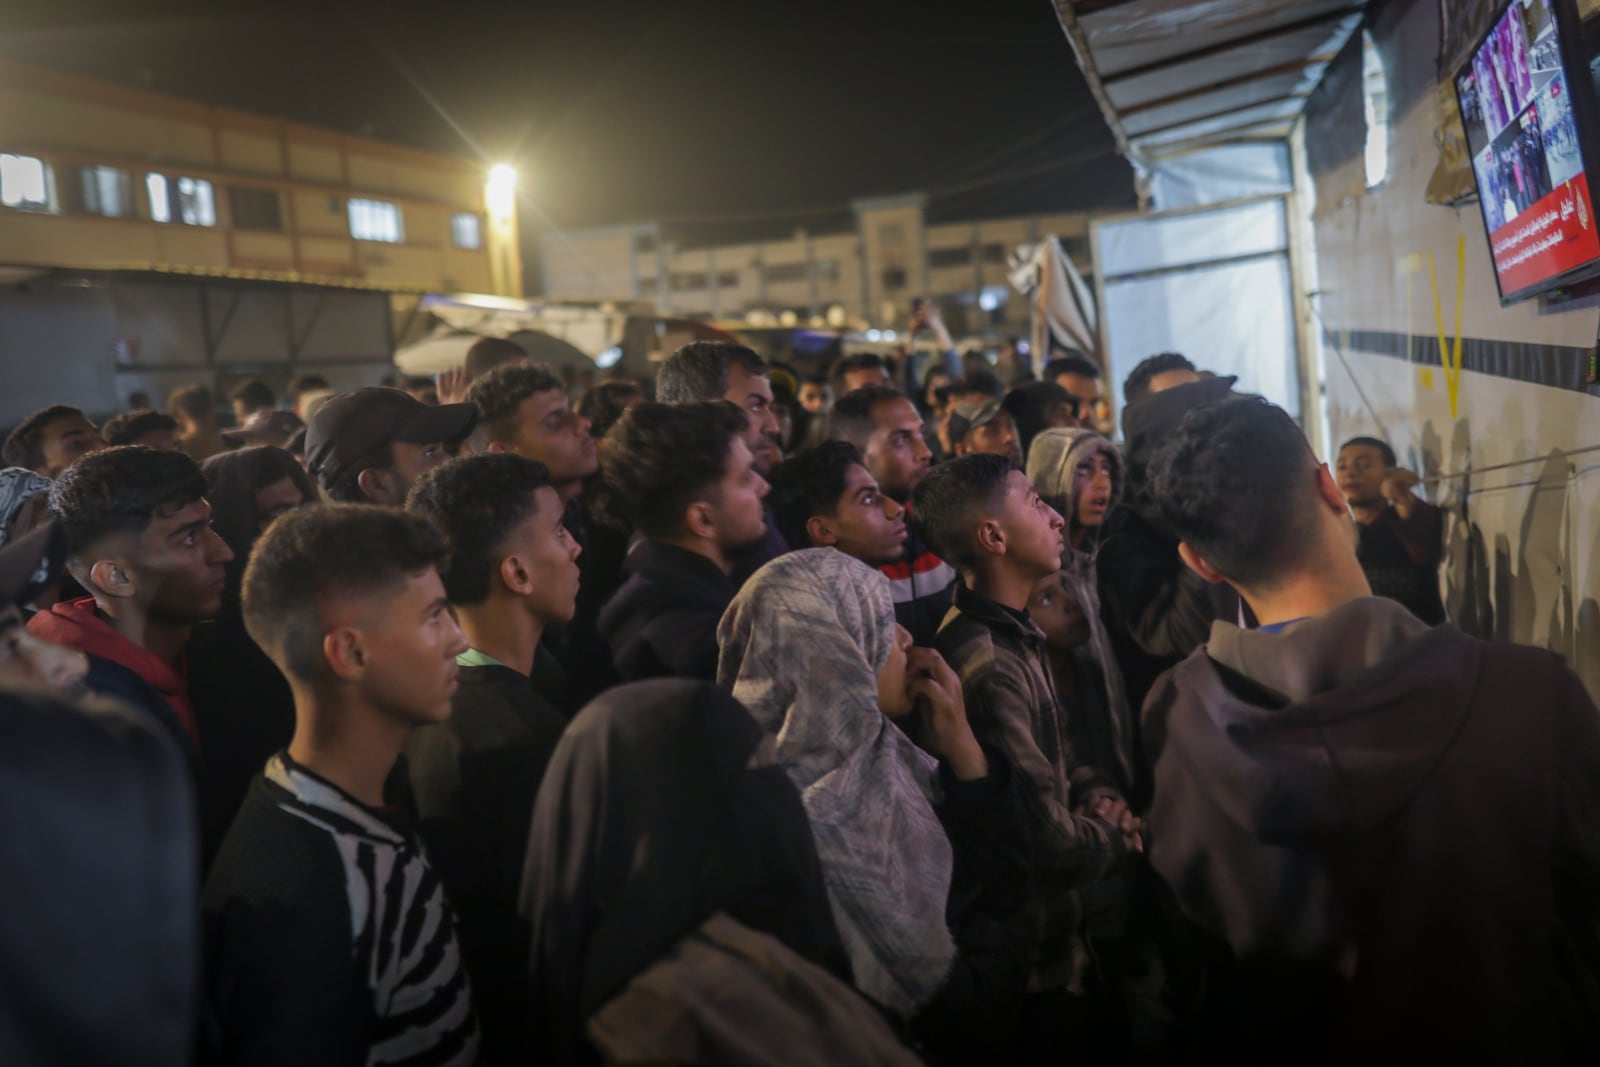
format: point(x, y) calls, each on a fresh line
point(984, 426)
point(269, 426)
point(370, 445)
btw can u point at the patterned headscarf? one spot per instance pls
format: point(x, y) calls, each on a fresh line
point(802, 645)
point(18, 485)
point(1052, 462)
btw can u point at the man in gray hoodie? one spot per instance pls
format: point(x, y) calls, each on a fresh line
point(1392, 832)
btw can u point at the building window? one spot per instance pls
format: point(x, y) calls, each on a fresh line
point(189, 200)
point(376, 220)
point(644, 244)
point(994, 253)
point(950, 257)
point(466, 230)
point(779, 273)
point(24, 183)
point(647, 288)
point(894, 278)
point(828, 270)
point(107, 191)
point(1375, 104)
point(727, 279)
point(255, 209)
point(689, 282)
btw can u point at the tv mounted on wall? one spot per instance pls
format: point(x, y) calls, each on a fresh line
point(1525, 101)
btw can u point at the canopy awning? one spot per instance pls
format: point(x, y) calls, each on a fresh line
point(1176, 75)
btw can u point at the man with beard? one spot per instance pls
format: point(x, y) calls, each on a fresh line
point(139, 540)
point(690, 485)
point(721, 370)
point(884, 426)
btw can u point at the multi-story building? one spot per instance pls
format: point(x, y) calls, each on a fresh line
point(865, 274)
point(147, 240)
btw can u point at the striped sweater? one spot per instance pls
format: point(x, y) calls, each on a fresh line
point(328, 937)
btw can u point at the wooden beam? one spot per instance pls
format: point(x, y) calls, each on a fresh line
point(1221, 47)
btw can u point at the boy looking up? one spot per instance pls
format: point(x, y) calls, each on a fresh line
point(982, 514)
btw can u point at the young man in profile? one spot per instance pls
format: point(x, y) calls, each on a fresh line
point(688, 481)
point(982, 513)
point(885, 427)
point(512, 574)
point(328, 936)
point(721, 370)
point(140, 542)
point(51, 440)
point(524, 410)
point(1390, 826)
point(827, 498)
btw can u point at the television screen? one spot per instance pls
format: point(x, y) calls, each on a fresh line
point(1517, 107)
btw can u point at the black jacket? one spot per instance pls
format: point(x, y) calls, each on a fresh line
point(99, 933)
point(473, 779)
point(662, 623)
point(1156, 609)
point(1392, 829)
point(245, 712)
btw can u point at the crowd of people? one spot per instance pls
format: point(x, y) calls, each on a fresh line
point(752, 717)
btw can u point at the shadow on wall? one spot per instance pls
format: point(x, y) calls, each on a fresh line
point(1529, 600)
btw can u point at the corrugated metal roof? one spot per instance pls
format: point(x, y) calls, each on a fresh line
point(1171, 75)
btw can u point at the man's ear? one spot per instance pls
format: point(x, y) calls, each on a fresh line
point(1328, 490)
point(514, 573)
point(113, 577)
point(375, 486)
point(1198, 564)
point(991, 538)
point(821, 532)
point(498, 446)
point(346, 653)
point(700, 519)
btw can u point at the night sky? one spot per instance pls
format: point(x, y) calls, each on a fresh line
point(726, 119)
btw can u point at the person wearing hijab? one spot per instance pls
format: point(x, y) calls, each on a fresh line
point(1080, 474)
point(24, 502)
point(810, 646)
point(714, 944)
point(243, 705)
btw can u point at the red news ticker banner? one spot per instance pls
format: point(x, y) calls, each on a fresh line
point(1554, 235)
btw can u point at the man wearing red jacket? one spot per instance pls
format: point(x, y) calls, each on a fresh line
point(139, 539)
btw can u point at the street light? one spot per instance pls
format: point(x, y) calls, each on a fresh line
point(501, 192)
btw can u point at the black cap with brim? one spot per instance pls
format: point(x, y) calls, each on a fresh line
point(349, 427)
point(969, 415)
point(264, 426)
point(30, 563)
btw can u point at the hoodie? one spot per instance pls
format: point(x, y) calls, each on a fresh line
point(76, 624)
point(1393, 831)
point(1052, 463)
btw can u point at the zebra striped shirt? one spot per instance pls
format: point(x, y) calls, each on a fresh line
point(329, 939)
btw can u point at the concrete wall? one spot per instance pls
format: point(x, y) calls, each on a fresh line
point(1523, 543)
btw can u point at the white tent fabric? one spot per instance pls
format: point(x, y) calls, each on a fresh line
point(1064, 309)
